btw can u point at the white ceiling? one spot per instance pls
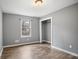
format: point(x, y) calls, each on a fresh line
point(25, 7)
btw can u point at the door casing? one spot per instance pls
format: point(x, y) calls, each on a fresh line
point(41, 29)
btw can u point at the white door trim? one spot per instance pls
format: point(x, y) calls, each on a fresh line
point(41, 28)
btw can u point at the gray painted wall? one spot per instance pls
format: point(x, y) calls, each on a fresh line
point(65, 28)
point(1, 31)
point(11, 29)
point(43, 31)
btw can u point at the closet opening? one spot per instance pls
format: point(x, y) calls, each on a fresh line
point(46, 30)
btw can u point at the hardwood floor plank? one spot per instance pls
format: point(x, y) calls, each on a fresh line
point(35, 51)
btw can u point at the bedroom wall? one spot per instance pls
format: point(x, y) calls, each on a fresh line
point(65, 28)
point(12, 28)
point(1, 34)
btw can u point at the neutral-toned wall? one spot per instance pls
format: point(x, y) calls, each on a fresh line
point(65, 28)
point(12, 28)
point(1, 31)
point(43, 31)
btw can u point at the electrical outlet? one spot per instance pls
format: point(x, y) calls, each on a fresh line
point(70, 46)
point(16, 41)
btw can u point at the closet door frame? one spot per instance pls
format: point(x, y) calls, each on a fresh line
point(44, 19)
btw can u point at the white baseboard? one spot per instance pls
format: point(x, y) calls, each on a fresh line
point(1, 52)
point(20, 44)
point(48, 41)
point(71, 53)
point(24, 43)
point(43, 40)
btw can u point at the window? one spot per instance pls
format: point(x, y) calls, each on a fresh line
point(25, 28)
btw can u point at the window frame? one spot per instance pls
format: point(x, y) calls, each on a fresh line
point(23, 36)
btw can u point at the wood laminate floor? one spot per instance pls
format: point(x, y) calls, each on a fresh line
point(35, 51)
